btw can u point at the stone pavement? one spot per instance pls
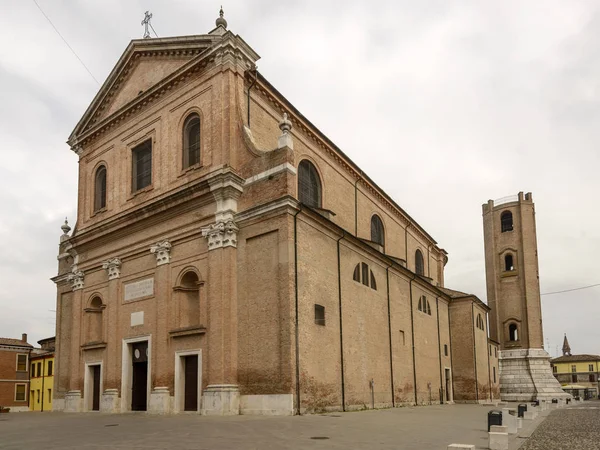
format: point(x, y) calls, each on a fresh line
point(429, 427)
point(576, 427)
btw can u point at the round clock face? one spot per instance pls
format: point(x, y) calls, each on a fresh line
point(137, 354)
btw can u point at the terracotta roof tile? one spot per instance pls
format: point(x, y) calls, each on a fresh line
point(575, 358)
point(14, 342)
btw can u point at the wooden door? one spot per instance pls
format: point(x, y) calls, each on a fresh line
point(191, 383)
point(96, 388)
point(139, 384)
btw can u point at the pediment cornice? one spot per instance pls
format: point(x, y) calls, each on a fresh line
point(203, 50)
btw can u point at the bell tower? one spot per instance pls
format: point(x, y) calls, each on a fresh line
point(513, 295)
point(513, 288)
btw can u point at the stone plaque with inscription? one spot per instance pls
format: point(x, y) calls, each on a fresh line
point(139, 289)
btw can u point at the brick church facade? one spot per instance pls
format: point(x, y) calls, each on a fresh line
point(228, 258)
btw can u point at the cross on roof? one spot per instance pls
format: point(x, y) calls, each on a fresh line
point(146, 23)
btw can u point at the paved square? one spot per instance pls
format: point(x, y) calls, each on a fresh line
point(429, 427)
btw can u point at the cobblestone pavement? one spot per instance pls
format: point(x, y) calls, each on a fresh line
point(575, 428)
point(428, 427)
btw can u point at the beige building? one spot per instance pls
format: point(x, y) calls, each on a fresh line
point(229, 258)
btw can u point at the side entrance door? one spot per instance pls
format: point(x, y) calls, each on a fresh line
point(191, 383)
point(139, 385)
point(96, 388)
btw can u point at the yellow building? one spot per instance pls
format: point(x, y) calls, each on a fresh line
point(577, 374)
point(42, 376)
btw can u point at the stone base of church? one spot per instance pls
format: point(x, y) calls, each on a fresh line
point(267, 405)
point(160, 401)
point(221, 400)
point(109, 401)
point(526, 375)
point(73, 401)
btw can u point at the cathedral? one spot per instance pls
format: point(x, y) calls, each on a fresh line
point(228, 258)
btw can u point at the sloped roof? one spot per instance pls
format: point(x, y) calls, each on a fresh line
point(14, 342)
point(575, 358)
point(455, 294)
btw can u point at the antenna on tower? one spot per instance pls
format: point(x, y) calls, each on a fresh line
point(147, 25)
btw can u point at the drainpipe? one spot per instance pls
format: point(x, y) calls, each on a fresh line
point(356, 206)
point(474, 351)
point(489, 349)
point(387, 279)
point(341, 320)
point(437, 312)
point(43, 379)
point(296, 309)
point(412, 329)
point(250, 87)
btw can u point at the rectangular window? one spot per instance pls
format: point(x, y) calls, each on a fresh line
point(142, 165)
point(39, 369)
point(319, 315)
point(554, 369)
point(49, 395)
point(495, 353)
point(494, 374)
point(21, 363)
point(38, 395)
point(591, 368)
point(49, 368)
point(573, 378)
point(592, 378)
point(445, 349)
point(365, 274)
point(402, 337)
point(20, 392)
point(573, 368)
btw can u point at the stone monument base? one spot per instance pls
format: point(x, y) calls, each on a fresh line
point(526, 375)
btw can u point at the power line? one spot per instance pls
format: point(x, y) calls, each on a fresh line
point(571, 290)
point(65, 41)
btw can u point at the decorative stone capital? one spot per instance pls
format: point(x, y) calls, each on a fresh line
point(76, 278)
point(162, 250)
point(77, 149)
point(223, 233)
point(113, 267)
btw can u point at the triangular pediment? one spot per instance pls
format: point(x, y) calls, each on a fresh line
point(144, 64)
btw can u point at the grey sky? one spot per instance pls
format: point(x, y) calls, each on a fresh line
point(467, 100)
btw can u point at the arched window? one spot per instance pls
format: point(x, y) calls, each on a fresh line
point(94, 320)
point(420, 307)
point(424, 305)
point(419, 265)
point(513, 333)
point(100, 189)
point(377, 234)
point(191, 140)
point(481, 325)
point(364, 275)
point(309, 184)
point(506, 221)
point(188, 296)
point(508, 263)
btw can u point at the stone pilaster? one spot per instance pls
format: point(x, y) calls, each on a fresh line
point(222, 394)
point(112, 354)
point(161, 368)
point(76, 278)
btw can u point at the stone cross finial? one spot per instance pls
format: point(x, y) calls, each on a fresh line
point(221, 22)
point(285, 140)
point(162, 250)
point(113, 267)
point(65, 229)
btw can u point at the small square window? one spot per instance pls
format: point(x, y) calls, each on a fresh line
point(20, 393)
point(22, 363)
point(591, 367)
point(141, 165)
point(319, 315)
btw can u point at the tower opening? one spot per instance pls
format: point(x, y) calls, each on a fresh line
point(508, 263)
point(513, 333)
point(506, 221)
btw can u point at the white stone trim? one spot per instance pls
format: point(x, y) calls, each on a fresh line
point(162, 250)
point(127, 372)
point(180, 379)
point(263, 209)
point(267, 405)
point(88, 384)
point(285, 167)
point(113, 268)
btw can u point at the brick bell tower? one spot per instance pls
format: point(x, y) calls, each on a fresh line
point(513, 294)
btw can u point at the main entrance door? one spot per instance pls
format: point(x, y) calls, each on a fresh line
point(139, 385)
point(95, 388)
point(191, 383)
